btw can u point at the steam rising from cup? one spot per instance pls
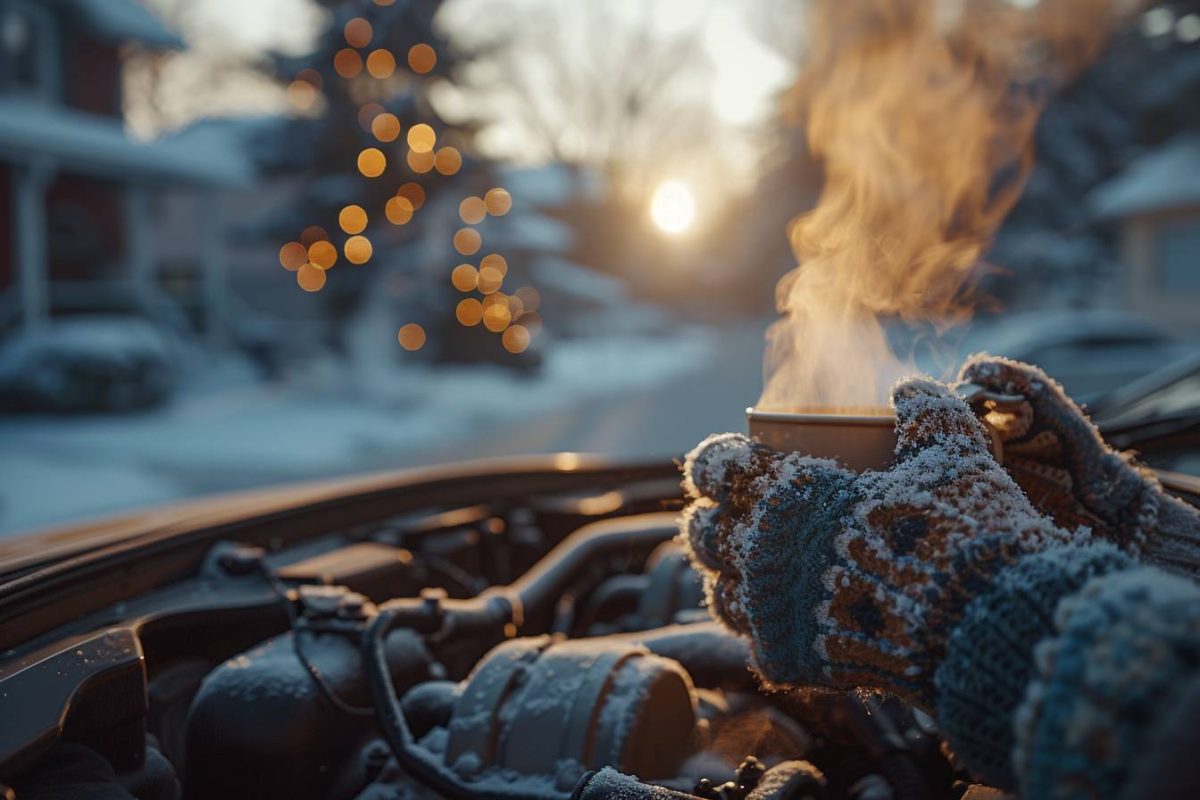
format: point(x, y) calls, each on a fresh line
point(922, 114)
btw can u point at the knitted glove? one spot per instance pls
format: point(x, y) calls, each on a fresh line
point(1069, 671)
point(1057, 456)
point(1128, 646)
point(856, 580)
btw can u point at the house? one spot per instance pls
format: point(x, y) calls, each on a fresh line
point(78, 196)
point(1156, 204)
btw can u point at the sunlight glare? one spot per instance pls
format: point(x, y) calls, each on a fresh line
point(673, 208)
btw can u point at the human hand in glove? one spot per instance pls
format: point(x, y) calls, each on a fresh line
point(1058, 457)
point(845, 579)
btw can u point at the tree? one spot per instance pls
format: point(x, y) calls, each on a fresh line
point(383, 174)
point(598, 84)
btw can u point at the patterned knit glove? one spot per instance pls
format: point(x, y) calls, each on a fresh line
point(1057, 456)
point(847, 580)
point(1070, 672)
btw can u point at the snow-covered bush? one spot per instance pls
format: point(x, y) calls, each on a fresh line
point(87, 364)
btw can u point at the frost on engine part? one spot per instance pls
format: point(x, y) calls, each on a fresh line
point(612, 784)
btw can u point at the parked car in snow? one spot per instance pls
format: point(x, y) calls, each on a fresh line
point(94, 363)
point(1158, 415)
point(1090, 351)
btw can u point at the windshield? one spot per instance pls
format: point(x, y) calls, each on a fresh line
point(258, 243)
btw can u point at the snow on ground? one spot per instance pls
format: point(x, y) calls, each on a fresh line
point(226, 435)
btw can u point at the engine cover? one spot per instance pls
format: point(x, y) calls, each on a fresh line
point(540, 706)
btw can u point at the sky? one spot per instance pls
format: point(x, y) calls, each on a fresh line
point(708, 132)
point(745, 72)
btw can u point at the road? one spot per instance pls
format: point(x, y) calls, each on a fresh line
point(55, 470)
point(666, 420)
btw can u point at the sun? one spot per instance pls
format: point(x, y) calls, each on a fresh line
point(673, 207)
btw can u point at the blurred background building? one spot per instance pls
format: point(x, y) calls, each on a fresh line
point(1155, 204)
point(77, 194)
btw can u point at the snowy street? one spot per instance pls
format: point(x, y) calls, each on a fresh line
point(620, 395)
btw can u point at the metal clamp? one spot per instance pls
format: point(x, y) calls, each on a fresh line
point(981, 399)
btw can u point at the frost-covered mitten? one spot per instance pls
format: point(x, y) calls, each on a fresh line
point(1057, 456)
point(847, 580)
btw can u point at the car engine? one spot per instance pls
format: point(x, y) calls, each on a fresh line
point(542, 645)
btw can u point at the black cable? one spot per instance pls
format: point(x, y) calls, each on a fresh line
point(396, 732)
point(535, 592)
point(293, 624)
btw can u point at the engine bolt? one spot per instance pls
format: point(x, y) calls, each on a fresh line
point(750, 772)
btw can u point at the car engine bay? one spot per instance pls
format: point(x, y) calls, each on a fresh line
point(529, 633)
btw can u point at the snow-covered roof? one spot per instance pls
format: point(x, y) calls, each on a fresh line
point(1167, 177)
point(96, 145)
point(120, 21)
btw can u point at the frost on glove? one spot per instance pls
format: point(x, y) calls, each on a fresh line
point(1052, 660)
point(1057, 456)
point(845, 580)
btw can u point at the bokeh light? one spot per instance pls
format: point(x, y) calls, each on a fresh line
point(420, 163)
point(467, 241)
point(498, 202)
point(310, 75)
point(372, 162)
point(313, 233)
point(358, 249)
point(367, 115)
point(469, 312)
point(310, 278)
point(301, 95)
point(411, 336)
point(381, 63)
point(385, 127)
point(413, 193)
point(496, 317)
point(421, 58)
point(352, 219)
point(472, 210)
point(490, 280)
point(494, 261)
point(293, 256)
point(322, 254)
point(515, 307)
point(464, 278)
point(358, 32)
point(347, 63)
point(532, 322)
point(530, 298)
point(421, 138)
point(384, 2)
point(515, 339)
point(399, 210)
point(447, 161)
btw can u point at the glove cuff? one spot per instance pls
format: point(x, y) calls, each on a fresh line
point(1169, 531)
point(989, 654)
point(1125, 646)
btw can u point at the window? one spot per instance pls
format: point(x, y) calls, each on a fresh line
point(28, 50)
point(1179, 254)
